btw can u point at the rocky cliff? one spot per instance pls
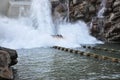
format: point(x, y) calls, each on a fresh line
point(104, 28)
point(112, 22)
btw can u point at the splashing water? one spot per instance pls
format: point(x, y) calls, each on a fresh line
point(42, 15)
point(22, 34)
point(102, 10)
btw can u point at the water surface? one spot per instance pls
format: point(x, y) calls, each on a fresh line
point(51, 64)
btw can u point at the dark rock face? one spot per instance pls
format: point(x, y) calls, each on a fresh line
point(8, 57)
point(107, 28)
point(84, 10)
point(113, 18)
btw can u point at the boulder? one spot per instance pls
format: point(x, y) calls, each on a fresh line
point(13, 55)
point(5, 69)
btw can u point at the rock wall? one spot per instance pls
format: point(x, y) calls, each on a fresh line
point(106, 28)
point(112, 24)
point(83, 9)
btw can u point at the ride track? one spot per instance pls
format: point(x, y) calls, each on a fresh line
point(88, 54)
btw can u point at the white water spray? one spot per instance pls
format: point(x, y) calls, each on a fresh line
point(21, 10)
point(41, 13)
point(20, 34)
point(102, 9)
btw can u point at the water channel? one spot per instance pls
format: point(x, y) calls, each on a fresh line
point(51, 64)
point(37, 61)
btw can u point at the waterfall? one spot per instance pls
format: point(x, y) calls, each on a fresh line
point(68, 10)
point(102, 9)
point(21, 10)
point(42, 15)
point(19, 33)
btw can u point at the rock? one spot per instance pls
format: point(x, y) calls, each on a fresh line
point(116, 4)
point(5, 69)
point(92, 9)
point(98, 2)
point(108, 6)
point(54, 4)
point(13, 55)
point(98, 28)
point(116, 16)
point(116, 9)
point(12, 52)
point(76, 1)
point(59, 15)
point(113, 34)
point(80, 11)
point(109, 3)
point(93, 1)
point(106, 28)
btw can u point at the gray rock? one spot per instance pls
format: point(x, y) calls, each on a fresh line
point(116, 3)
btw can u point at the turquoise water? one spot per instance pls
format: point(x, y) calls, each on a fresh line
point(51, 64)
